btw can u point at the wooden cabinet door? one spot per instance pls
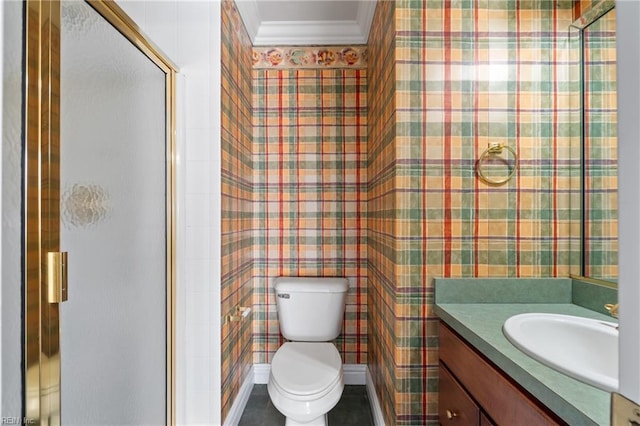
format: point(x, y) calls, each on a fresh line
point(497, 394)
point(455, 406)
point(485, 421)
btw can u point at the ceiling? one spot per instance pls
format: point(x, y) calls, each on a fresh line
point(307, 22)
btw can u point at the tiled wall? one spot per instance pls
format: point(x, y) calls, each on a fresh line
point(237, 201)
point(466, 74)
point(310, 130)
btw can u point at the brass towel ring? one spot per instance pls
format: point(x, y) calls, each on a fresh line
point(496, 149)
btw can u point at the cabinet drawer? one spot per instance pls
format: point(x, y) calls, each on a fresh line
point(498, 395)
point(455, 406)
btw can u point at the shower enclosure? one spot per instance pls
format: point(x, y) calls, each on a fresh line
point(98, 219)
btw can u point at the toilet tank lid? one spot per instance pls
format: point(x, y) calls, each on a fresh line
point(311, 284)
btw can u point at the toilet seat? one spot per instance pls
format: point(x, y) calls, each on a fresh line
point(306, 370)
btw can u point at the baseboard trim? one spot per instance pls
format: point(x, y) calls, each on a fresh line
point(239, 404)
point(261, 376)
point(376, 410)
point(354, 374)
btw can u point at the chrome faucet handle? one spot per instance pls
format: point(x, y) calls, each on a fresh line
point(613, 309)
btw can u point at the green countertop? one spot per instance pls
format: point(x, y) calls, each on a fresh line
point(481, 325)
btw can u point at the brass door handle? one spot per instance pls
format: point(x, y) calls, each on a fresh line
point(451, 414)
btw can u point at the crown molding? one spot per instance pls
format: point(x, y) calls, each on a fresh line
point(272, 33)
point(306, 33)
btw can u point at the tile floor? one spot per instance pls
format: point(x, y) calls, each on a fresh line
point(352, 410)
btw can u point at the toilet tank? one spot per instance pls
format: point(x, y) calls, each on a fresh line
point(310, 309)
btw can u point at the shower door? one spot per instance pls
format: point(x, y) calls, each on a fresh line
point(107, 258)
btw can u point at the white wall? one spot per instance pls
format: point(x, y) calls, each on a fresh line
point(188, 32)
point(1, 91)
point(11, 153)
point(628, 54)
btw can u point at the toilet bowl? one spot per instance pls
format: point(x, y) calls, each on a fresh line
point(306, 381)
point(306, 378)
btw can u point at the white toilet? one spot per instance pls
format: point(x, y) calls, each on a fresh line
point(306, 379)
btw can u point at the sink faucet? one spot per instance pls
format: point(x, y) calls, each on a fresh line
point(613, 309)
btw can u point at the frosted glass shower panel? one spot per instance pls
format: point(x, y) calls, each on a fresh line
point(113, 224)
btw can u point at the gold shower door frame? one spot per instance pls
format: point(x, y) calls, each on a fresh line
point(42, 201)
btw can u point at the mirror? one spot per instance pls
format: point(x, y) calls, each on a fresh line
point(594, 37)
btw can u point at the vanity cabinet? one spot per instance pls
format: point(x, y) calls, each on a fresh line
point(475, 392)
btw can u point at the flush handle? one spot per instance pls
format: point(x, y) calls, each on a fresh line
point(613, 309)
point(451, 414)
point(57, 267)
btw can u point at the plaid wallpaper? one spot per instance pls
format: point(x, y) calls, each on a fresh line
point(582, 6)
point(310, 131)
point(381, 206)
point(397, 202)
point(601, 162)
point(467, 73)
point(237, 201)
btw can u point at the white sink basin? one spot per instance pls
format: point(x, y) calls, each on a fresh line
point(582, 348)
